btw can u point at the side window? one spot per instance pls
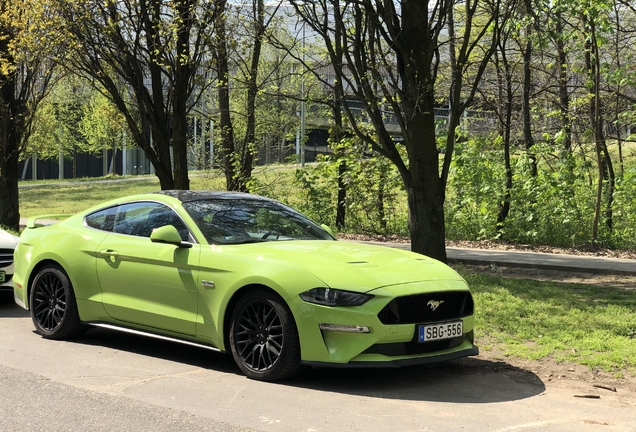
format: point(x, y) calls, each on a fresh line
point(102, 220)
point(139, 219)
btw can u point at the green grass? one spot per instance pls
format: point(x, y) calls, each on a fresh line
point(53, 196)
point(72, 198)
point(587, 325)
point(584, 324)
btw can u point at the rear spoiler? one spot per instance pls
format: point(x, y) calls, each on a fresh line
point(45, 220)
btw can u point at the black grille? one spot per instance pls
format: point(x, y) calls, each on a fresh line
point(427, 308)
point(6, 257)
point(414, 347)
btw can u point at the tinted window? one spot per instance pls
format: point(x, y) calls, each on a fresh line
point(139, 219)
point(102, 219)
point(234, 221)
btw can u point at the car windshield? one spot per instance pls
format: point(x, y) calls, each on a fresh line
point(237, 221)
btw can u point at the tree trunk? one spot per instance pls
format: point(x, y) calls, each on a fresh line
point(180, 150)
point(605, 167)
point(180, 111)
point(564, 96)
point(337, 130)
point(341, 205)
point(426, 217)
point(381, 208)
point(226, 130)
point(162, 160)
point(249, 144)
point(113, 161)
point(9, 173)
point(336, 136)
point(504, 76)
point(403, 77)
point(525, 105)
point(9, 149)
point(424, 185)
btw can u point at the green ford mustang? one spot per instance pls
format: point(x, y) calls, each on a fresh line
point(240, 273)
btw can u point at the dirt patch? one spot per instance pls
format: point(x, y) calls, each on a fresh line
point(584, 380)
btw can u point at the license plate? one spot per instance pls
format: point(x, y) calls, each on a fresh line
point(2, 275)
point(432, 332)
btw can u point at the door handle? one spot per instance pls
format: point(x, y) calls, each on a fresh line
point(109, 253)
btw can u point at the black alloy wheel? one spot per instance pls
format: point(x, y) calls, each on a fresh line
point(53, 306)
point(264, 338)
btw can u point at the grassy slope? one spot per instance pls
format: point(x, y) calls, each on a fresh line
point(69, 197)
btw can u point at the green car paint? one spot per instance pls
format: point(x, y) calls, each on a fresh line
point(189, 291)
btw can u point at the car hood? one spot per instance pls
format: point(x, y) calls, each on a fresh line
point(7, 240)
point(349, 265)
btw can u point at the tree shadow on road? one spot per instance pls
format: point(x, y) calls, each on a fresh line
point(469, 380)
point(160, 349)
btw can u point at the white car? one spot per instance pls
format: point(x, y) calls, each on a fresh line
point(8, 243)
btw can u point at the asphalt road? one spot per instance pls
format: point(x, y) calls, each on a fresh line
point(108, 381)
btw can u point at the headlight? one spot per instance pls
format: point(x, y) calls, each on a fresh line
point(334, 297)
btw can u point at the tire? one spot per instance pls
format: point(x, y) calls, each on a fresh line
point(53, 305)
point(264, 338)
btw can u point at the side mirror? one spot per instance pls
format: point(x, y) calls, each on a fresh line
point(329, 230)
point(168, 234)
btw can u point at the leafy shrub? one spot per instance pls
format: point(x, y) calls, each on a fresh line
point(373, 203)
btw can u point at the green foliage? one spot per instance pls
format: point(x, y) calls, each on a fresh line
point(59, 120)
point(374, 203)
point(102, 125)
point(555, 208)
point(317, 191)
point(75, 118)
point(476, 182)
point(624, 233)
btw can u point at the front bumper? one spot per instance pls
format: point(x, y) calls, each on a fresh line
point(387, 343)
point(388, 363)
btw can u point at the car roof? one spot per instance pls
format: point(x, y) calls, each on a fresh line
point(191, 195)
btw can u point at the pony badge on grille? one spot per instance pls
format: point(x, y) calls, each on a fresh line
point(434, 304)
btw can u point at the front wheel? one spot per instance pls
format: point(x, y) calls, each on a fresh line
point(264, 338)
point(53, 306)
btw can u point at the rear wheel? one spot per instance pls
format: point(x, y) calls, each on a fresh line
point(53, 305)
point(264, 338)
